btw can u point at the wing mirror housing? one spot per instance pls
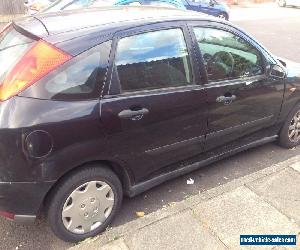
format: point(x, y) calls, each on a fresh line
point(276, 70)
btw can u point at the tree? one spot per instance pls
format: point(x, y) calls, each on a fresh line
point(11, 7)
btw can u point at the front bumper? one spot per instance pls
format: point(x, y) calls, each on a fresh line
point(23, 200)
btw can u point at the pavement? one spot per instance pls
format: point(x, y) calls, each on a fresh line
point(265, 202)
point(280, 35)
point(261, 11)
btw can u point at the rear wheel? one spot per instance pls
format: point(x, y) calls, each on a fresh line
point(290, 132)
point(282, 3)
point(84, 203)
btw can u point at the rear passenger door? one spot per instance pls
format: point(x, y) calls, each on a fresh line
point(153, 107)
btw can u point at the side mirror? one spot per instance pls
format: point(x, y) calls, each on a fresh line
point(212, 3)
point(277, 71)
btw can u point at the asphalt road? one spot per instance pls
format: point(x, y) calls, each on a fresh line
point(279, 30)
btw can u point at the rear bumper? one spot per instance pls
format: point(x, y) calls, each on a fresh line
point(22, 200)
point(25, 219)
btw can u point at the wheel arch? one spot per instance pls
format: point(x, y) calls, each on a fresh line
point(288, 105)
point(224, 13)
point(122, 173)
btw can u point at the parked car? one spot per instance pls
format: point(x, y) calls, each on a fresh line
point(115, 101)
point(284, 3)
point(211, 7)
point(179, 4)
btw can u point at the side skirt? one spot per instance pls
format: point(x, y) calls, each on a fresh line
point(143, 186)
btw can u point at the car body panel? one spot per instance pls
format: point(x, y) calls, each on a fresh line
point(292, 87)
point(27, 201)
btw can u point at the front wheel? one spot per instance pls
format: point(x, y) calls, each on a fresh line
point(84, 203)
point(223, 15)
point(290, 133)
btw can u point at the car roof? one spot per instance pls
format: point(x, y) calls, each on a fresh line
point(79, 30)
point(65, 21)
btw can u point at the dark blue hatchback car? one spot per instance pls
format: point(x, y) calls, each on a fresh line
point(211, 7)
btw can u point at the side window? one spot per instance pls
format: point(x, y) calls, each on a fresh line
point(79, 79)
point(227, 56)
point(152, 60)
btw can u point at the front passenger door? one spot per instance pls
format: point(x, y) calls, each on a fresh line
point(243, 98)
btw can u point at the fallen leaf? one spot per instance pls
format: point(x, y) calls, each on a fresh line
point(140, 214)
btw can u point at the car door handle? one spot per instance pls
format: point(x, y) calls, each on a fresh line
point(134, 115)
point(226, 99)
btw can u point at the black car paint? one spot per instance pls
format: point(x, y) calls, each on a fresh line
point(258, 102)
point(143, 153)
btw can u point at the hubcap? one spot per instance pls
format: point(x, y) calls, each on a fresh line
point(88, 207)
point(294, 128)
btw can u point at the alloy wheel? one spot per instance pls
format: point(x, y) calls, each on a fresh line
point(294, 128)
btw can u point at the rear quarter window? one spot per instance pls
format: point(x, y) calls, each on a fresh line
point(81, 78)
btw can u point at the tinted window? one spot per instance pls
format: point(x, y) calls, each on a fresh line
point(153, 60)
point(227, 56)
point(81, 78)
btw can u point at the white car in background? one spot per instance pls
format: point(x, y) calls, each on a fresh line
point(284, 3)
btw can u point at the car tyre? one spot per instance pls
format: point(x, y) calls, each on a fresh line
point(223, 15)
point(281, 3)
point(84, 203)
point(289, 136)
